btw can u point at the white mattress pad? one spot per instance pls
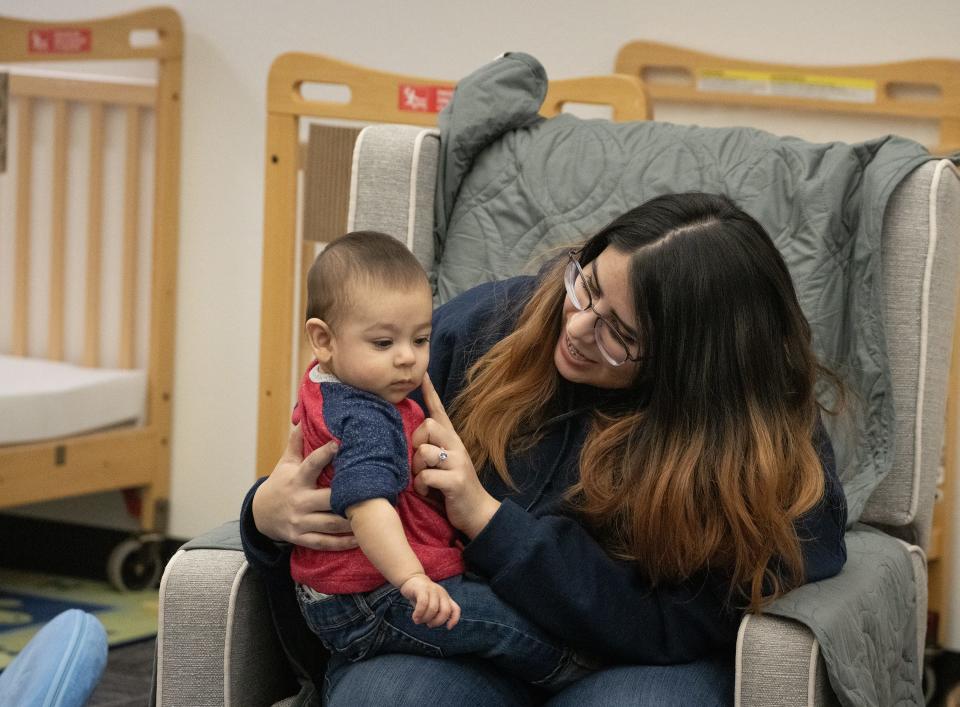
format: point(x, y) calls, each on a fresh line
point(42, 399)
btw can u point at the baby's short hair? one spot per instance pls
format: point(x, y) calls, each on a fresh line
point(358, 258)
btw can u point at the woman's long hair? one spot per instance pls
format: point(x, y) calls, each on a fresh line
point(713, 460)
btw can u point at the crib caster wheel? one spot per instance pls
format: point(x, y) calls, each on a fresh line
point(135, 564)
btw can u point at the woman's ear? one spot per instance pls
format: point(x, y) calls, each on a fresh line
point(320, 337)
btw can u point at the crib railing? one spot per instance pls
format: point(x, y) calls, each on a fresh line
point(69, 97)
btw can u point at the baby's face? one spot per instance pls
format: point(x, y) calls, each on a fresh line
point(382, 345)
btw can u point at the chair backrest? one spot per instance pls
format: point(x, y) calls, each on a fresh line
point(392, 190)
point(392, 186)
point(921, 248)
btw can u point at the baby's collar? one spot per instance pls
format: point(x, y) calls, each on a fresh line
point(318, 376)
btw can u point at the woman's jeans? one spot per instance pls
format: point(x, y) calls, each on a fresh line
point(414, 681)
point(357, 627)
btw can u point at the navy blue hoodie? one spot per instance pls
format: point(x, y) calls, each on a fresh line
point(542, 560)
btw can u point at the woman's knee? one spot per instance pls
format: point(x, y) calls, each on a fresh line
point(396, 679)
point(708, 683)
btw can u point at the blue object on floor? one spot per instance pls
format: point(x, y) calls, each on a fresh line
point(60, 666)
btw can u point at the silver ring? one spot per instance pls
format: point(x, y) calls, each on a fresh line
point(443, 456)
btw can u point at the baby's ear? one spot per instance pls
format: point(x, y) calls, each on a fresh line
point(320, 337)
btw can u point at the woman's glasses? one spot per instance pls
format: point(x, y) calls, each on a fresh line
point(613, 345)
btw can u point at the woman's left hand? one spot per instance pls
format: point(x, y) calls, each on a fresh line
point(441, 462)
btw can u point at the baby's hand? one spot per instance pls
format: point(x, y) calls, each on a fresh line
point(431, 603)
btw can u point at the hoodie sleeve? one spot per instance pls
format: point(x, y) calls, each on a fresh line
point(556, 573)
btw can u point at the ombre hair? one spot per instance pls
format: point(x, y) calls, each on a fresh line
point(712, 461)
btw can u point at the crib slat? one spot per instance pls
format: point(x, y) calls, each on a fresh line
point(21, 294)
point(131, 216)
point(91, 346)
point(58, 232)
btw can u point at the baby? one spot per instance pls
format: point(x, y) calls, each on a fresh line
point(369, 310)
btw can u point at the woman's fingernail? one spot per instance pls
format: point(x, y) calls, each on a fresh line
point(335, 447)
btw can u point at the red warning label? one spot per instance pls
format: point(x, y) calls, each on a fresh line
point(423, 99)
point(62, 40)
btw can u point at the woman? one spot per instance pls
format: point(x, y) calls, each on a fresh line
point(651, 456)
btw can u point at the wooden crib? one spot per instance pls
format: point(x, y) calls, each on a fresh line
point(124, 230)
point(921, 91)
point(925, 90)
point(310, 141)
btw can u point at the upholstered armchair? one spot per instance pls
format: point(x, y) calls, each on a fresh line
point(216, 642)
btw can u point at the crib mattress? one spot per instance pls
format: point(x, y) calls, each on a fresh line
point(42, 400)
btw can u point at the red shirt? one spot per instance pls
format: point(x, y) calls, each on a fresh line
point(330, 410)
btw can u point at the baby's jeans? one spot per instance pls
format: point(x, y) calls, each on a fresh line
point(359, 626)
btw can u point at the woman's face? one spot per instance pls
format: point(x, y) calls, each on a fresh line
point(576, 355)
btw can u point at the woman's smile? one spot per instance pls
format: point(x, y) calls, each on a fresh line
point(575, 354)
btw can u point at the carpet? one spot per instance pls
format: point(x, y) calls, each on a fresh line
point(29, 599)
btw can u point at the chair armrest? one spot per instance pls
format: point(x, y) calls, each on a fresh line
point(871, 618)
point(216, 644)
point(779, 663)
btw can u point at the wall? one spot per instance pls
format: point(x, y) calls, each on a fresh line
point(229, 48)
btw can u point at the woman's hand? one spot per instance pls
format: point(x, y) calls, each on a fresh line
point(288, 506)
point(441, 462)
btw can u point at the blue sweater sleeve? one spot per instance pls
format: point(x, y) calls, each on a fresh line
point(271, 561)
point(373, 461)
point(592, 601)
point(606, 606)
point(821, 530)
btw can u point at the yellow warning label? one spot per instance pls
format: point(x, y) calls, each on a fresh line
point(769, 83)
